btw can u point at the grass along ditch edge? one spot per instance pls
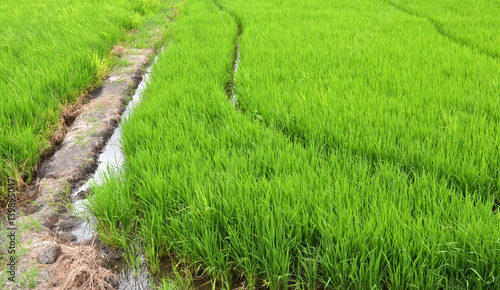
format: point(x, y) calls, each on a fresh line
point(76, 159)
point(53, 57)
point(231, 82)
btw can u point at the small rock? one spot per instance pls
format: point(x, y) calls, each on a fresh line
point(50, 255)
point(83, 194)
point(111, 254)
point(67, 223)
point(66, 237)
point(50, 220)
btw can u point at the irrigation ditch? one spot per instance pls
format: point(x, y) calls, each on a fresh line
point(54, 232)
point(230, 87)
point(59, 246)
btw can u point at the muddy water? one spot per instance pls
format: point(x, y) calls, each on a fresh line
point(143, 279)
point(232, 96)
point(112, 158)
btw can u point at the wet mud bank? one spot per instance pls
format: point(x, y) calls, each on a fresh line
point(59, 248)
point(77, 159)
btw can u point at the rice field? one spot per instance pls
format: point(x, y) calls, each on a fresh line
point(51, 52)
point(423, 101)
point(362, 152)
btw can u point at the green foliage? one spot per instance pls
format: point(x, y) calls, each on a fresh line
point(145, 6)
point(470, 23)
point(51, 51)
point(390, 87)
point(362, 155)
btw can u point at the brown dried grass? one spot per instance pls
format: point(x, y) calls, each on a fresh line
point(80, 267)
point(118, 51)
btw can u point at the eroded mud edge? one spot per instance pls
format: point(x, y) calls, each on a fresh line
point(46, 221)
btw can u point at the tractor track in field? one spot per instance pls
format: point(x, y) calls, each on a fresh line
point(230, 86)
point(411, 170)
point(291, 134)
point(439, 27)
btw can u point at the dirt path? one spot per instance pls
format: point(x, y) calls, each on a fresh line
point(45, 227)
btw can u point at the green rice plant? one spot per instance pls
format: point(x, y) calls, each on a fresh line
point(51, 52)
point(352, 176)
point(114, 208)
point(178, 278)
point(388, 87)
point(131, 254)
point(468, 23)
point(152, 242)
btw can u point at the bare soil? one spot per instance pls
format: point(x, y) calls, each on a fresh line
point(44, 219)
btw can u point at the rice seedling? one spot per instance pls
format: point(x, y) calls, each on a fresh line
point(50, 53)
point(469, 23)
point(131, 255)
point(361, 156)
point(378, 82)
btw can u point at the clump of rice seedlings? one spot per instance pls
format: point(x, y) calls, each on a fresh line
point(379, 82)
point(344, 181)
point(469, 23)
point(52, 52)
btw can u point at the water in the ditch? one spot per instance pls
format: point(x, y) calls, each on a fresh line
point(143, 279)
point(112, 157)
point(232, 96)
